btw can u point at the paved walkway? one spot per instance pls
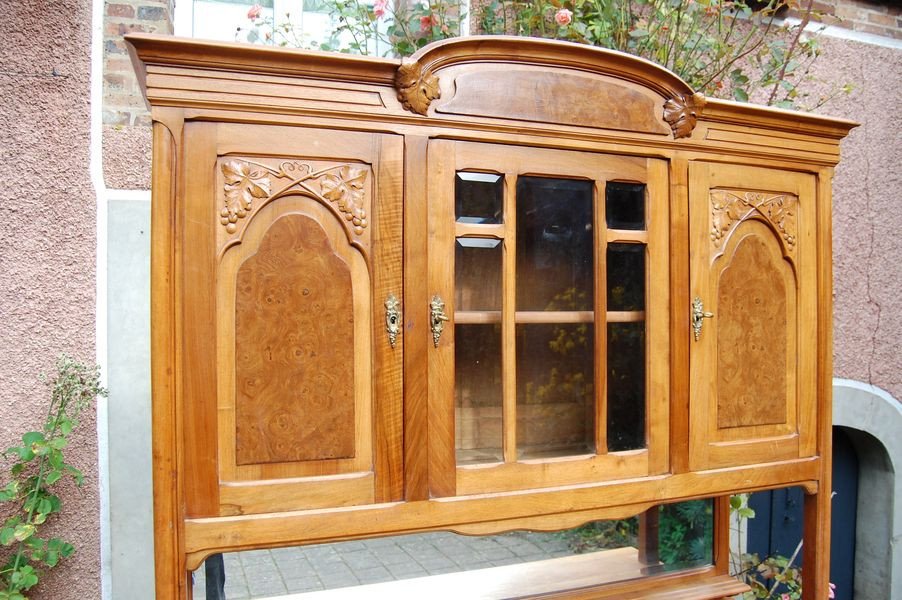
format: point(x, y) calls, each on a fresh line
point(264, 573)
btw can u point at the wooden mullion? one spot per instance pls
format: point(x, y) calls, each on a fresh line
point(508, 322)
point(625, 236)
point(601, 326)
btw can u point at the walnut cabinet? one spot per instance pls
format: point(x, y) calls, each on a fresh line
point(503, 284)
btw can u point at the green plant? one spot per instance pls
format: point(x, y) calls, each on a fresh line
point(722, 48)
point(38, 469)
point(773, 577)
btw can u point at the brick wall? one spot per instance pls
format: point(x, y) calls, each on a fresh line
point(883, 17)
point(122, 101)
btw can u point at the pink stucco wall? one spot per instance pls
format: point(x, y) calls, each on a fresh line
point(47, 249)
point(867, 222)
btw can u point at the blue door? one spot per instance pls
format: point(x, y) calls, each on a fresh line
point(777, 526)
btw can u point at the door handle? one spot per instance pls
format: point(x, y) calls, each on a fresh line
point(698, 317)
point(438, 318)
point(392, 319)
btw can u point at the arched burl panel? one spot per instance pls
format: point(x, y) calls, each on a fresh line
point(294, 384)
point(755, 302)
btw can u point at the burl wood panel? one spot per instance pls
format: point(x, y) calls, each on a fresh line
point(294, 332)
point(554, 97)
point(752, 336)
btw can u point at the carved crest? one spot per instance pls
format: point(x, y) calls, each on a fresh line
point(417, 87)
point(682, 113)
point(247, 181)
point(728, 207)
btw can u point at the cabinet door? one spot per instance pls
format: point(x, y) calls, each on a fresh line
point(301, 230)
point(753, 376)
point(551, 269)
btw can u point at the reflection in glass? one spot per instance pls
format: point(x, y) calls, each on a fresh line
point(555, 399)
point(477, 274)
point(625, 205)
point(554, 244)
point(478, 197)
point(626, 276)
point(477, 384)
point(592, 554)
point(686, 534)
point(626, 386)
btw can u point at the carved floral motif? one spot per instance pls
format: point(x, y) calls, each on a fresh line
point(243, 183)
point(728, 207)
point(246, 181)
point(682, 113)
point(417, 87)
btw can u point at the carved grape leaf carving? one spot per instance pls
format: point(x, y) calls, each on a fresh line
point(248, 182)
point(243, 184)
point(728, 208)
point(345, 189)
point(417, 87)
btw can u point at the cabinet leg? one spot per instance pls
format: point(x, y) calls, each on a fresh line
point(816, 548)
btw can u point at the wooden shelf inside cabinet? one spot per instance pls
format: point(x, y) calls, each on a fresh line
point(503, 283)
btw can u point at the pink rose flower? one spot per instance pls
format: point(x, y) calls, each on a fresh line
point(563, 17)
point(254, 12)
point(427, 22)
point(379, 7)
point(832, 590)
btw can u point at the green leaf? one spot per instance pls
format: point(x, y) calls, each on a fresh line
point(740, 94)
point(7, 535)
point(39, 518)
point(53, 477)
point(58, 443)
point(23, 531)
point(735, 502)
point(638, 33)
point(32, 437)
point(35, 543)
point(17, 469)
point(76, 474)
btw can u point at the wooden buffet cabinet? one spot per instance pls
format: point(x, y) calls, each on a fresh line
point(503, 284)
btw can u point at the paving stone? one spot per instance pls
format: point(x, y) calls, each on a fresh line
point(361, 559)
point(374, 575)
point(304, 584)
point(432, 565)
point(404, 571)
point(263, 586)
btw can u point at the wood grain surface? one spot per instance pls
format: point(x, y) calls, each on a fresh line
point(752, 335)
point(294, 331)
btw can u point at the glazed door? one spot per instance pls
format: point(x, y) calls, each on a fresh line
point(301, 232)
point(753, 375)
point(548, 277)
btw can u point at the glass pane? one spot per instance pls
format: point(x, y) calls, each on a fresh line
point(479, 197)
point(477, 274)
point(554, 244)
point(626, 276)
point(625, 205)
point(592, 554)
point(626, 386)
point(555, 399)
point(477, 382)
point(686, 534)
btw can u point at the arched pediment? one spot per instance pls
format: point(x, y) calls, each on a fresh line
point(547, 81)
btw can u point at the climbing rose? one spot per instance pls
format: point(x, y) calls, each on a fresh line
point(832, 591)
point(563, 17)
point(426, 22)
point(254, 12)
point(379, 8)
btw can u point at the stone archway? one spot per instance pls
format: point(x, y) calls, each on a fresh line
point(873, 419)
